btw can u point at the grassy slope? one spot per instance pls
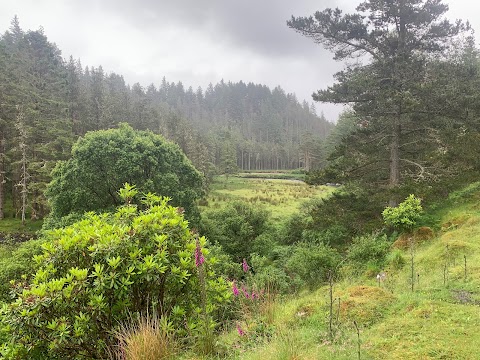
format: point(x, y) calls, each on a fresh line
point(439, 320)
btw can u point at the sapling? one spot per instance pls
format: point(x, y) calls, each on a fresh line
point(404, 218)
point(358, 340)
point(445, 273)
point(338, 311)
point(412, 262)
point(330, 318)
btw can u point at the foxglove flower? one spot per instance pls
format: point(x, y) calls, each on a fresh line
point(240, 330)
point(245, 292)
point(234, 289)
point(245, 266)
point(199, 258)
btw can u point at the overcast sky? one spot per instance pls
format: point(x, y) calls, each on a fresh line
point(195, 41)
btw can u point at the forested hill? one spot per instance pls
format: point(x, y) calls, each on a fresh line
point(47, 102)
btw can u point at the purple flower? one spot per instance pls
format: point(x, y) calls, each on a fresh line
point(199, 258)
point(234, 289)
point(254, 295)
point(245, 266)
point(240, 330)
point(245, 292)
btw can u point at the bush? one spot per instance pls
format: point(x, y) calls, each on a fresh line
point(235, 228)
point(405, 216)
point(16, 260)
point(269, 275)
point(309, 264)
point(396, 259)
point(335, 220)
point(101, 271)
point(368, 251)
point(293, 229)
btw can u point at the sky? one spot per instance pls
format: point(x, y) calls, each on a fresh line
point(196, 41)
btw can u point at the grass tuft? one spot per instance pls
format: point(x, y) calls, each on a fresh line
point(144, 339)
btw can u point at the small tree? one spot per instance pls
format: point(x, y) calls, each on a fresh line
point(228, 160)
point(235, 228)
point(103, 161)
point(405, 216)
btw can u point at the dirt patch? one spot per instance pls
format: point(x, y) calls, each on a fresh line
point(464, 297)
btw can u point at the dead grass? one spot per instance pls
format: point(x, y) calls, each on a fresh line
point(420, 236)
point(364, 304)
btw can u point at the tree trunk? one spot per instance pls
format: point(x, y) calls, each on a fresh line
point(2, 176)
point(395, 159)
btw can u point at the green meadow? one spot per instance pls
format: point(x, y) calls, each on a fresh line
point(281, 197)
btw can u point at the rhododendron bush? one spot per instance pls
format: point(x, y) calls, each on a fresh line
point(102, 271)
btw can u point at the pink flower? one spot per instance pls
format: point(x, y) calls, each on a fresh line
point(199, 258)
point(245, 292)
point(234, 289)
point(245, 266)
point(240, 330)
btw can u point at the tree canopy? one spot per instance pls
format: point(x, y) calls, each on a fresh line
point(394, 88)
point(102, 161)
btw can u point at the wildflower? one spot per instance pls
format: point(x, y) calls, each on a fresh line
point(240, 330)
point(199, 258)
point(245, 266)
point(234, 289)
point(245, 292)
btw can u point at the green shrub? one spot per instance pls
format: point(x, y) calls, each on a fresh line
point(15, 262)
point(396, 259)
point(99, 272)
point(270, 275)
point(309, 264)
point(293, 229)
point(235, 228)
point(336, 235)
point(335, 220)
point(368, 251)
point(405, 216)
point(102, 161)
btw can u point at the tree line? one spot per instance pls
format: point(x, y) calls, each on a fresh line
point(47, 102)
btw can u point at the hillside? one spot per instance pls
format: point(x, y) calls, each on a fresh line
point(440, 319)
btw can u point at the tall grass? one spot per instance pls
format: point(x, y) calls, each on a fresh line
point(144, 339)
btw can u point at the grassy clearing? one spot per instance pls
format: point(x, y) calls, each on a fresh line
point(13, 226)
point(280, 197)
point(272, 175)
